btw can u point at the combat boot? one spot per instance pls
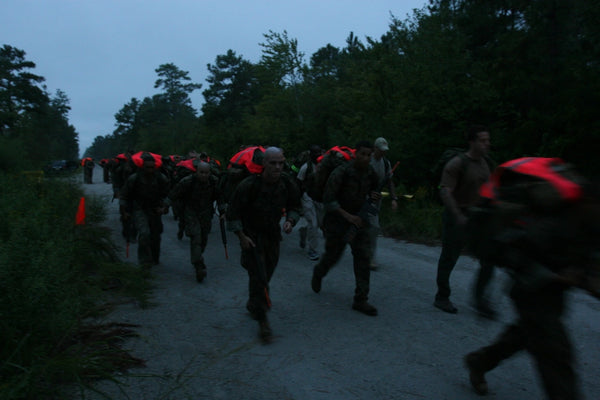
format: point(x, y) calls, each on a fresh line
point(476, 373)
point(200, 272)
point(364, 307)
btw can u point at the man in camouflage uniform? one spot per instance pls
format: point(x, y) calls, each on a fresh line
point(540, 220)
point(546, 256)
point(349, 186)
point(254, 214)
point(383, 167)
point(88, 170)
point(142, 198)
point(105, 164)
point(198, 192)
point(122, 168)
point(312, 210)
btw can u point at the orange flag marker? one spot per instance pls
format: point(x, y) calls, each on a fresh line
point(80, 217)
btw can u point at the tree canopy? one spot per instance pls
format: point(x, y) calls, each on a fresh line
point(526, 69)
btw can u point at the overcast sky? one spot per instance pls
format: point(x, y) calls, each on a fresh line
point(102, 53)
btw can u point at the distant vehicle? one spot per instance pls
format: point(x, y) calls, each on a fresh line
point(61, 166)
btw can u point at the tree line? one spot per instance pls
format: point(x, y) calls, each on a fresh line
point(34, 125)
point(528, 69)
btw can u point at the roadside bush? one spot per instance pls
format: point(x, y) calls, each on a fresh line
point(416, 220)
point(52, 277)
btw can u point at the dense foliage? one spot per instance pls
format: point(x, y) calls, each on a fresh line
point(527, 69)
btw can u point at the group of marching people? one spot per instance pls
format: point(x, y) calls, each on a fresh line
point(260, 194)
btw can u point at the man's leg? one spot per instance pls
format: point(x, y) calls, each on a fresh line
point(484, 277)
point(267, 253)
point(549, 343)
point(361, 252)
point(156, 229)
point(142, 225)
point(312, 229)
point(334, 248)
point(479, 362)
point(198, 238)
point(452, 244)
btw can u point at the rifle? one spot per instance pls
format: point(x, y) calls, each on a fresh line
point(223, 235)
point(368, 209)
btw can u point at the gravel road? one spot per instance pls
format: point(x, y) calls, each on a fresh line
point(200, 343)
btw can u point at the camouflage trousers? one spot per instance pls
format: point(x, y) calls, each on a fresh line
point(260, 263)
point(361, 253)
point(197, 229)
point(149, 228)
point(538, 330)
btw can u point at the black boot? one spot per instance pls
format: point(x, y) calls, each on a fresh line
point(200, 272)
point(265, 330)
point(476, 373)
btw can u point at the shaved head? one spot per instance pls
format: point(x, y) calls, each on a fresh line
point(203, 171)
point(272, 152)
point(203, 165)
point(273, 163)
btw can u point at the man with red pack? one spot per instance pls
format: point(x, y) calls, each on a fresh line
point(540, 220)
point(143, 199)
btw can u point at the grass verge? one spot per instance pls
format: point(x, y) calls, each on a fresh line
point(55, 277)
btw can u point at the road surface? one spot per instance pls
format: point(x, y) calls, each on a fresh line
point(199, 342)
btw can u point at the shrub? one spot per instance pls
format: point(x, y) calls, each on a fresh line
point(417, 219)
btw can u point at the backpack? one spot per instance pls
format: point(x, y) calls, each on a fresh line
point(245, 163)
point(333, 158)
point(448, 154)
point(532, 211)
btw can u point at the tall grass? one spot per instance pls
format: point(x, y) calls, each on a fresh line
point(53, 277)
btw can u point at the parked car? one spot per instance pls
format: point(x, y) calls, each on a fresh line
point(56, 166)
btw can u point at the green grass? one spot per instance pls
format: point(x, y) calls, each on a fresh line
point(55, 277)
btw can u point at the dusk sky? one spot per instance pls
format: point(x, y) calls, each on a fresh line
point(102, 53)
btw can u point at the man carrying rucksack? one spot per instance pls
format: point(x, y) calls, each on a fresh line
point(349, 186)
point(197, 194)
point(254, 215)
point(383, 167)
point(461, 178)
point(143, 199)
point(88, 169)
point(539, 220)
point(311, 209)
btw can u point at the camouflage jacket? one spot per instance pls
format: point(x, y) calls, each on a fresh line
point(144, 193)
point(349, 188)
point(257, 207)
point(197, 196)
